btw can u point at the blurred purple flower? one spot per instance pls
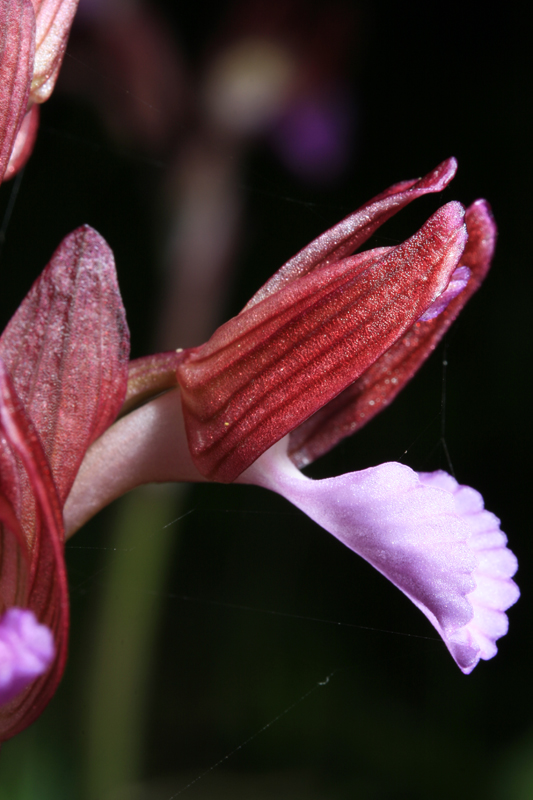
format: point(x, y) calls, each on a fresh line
point(315, 135)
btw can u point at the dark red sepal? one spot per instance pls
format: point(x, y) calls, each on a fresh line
point(268, 369)
point(379, 385)
point(17, 50)
point(353, 231)
point(53, 22)
point(66, 349)
point(24, 142)
point(14, 556)
point(44, 590)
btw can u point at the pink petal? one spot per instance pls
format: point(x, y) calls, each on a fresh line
point(53, 21)
point(495, 592)
point(66, 349)
point(46, 592)
point(17, 47)
point(26, 651)
point(418, 532)
point(379, 385)
point(349, 234)
point(268, 369)
point(24, 143)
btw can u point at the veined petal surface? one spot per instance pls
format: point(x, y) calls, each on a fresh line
point(53, 22)
point(377, 387)
point(44, 588)
point(353, 231)
point(17, 47)
point(66, 349)
point(271, 367)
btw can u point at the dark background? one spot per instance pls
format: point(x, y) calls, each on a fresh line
point(256, 605)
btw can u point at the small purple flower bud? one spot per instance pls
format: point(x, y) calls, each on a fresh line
point(26, 651)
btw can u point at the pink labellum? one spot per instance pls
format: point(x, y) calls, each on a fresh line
point(17, 47)
point(381, 382)
point(66, 349)
point(53, 22)
point(429, 536)
point(24, 143)
point(494, 591)
point(267, 370)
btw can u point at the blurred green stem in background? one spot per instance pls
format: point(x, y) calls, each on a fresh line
point(120, 675)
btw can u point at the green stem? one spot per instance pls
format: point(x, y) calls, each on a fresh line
point(121, 663)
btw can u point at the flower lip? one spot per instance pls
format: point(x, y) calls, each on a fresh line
point(429, 536)
point(494, 591)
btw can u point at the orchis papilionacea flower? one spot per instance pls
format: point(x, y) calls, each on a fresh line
point(63, 376)
point(33, 39)
point(322, 347)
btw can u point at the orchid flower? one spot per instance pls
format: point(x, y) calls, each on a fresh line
point(63, 375)
point(33, 39)
point(324, 345)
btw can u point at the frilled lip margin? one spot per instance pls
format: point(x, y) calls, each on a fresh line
point(431, 537)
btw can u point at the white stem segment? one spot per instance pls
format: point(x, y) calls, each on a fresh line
point(149, 445)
